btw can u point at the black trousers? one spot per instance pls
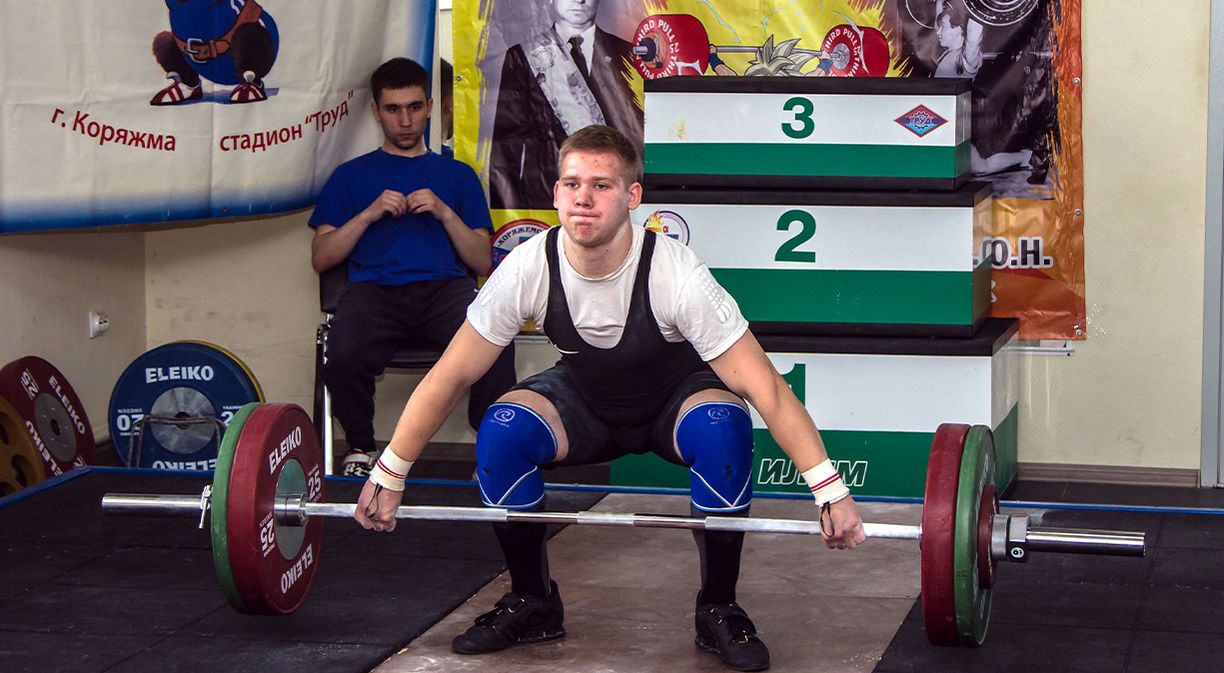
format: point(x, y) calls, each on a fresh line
point(371, 321)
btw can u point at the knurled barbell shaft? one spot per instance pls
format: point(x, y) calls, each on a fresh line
point(295, 510)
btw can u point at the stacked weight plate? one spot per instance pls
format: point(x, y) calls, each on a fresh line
point(43, 427)
point(171, 405)
point(839, 213)
point(269, 450)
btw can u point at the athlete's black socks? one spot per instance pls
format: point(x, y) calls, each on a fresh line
point(720, 561)
point(523, 544)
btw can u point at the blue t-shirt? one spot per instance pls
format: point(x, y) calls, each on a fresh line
point(410, 248)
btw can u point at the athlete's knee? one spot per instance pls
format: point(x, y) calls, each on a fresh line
point(715, 441)
point(512, 443)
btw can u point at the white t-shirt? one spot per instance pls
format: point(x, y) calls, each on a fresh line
point(687, 302)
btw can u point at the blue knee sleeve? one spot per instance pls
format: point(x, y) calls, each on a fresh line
point(715, 441)
point(512, 443)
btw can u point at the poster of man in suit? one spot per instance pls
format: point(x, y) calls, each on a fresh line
point(566, 74)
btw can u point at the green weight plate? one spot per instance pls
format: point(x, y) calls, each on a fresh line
point(972, 599)
point(220, 498)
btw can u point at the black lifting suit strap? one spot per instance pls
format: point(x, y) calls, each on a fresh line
point(630, 382)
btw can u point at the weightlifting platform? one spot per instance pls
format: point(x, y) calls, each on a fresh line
point(81, 591)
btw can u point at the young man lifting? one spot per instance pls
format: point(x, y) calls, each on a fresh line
point(655, 356)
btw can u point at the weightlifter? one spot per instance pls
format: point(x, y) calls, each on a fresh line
point(655, 356)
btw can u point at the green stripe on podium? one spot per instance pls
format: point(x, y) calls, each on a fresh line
point(910, 297)
point(872, 462)
point(882, 463)
point(800, 159)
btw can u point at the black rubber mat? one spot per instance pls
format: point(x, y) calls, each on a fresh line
point(85, 592)
point(1073, 613)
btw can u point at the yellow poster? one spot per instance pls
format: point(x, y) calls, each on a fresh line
point(524, 83)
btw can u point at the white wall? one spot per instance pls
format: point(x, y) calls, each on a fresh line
point(1131, 393)
point(245, 285)
point(49, 282)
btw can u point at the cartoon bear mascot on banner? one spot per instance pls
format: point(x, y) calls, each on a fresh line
point(228, 42)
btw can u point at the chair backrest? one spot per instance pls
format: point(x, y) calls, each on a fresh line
point(331, 283)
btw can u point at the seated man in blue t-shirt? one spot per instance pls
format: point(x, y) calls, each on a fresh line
point(414, 228)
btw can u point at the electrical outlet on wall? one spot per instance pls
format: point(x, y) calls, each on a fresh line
point(98, 323)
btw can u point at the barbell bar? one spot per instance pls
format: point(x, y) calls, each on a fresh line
point(667, 45)
point(293, 509)
point(265, 513)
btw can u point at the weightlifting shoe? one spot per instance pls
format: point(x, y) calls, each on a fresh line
point(514, 620)
point(357, 464)
point(726, 630)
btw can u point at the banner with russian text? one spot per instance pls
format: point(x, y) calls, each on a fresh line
point(159, 110)
point(523, 85)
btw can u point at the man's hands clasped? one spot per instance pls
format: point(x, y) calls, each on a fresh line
point(394, 204)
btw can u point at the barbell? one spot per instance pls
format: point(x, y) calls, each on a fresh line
point(265, 511)
point(667, 45)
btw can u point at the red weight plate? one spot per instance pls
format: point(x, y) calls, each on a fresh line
point(844, 47)
point(51, 412)
point(666, 45)
point(874, 53)
point(218, 521)
point(938, 519)
point(987, 510)
point(273, 564)
point(856, 52)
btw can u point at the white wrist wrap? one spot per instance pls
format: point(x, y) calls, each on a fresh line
point(390, 471)
point(826, 483)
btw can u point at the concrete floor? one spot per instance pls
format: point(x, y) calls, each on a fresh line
point(629, 595)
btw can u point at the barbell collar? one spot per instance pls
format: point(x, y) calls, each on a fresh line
point(1017, 538)
point(998, 538)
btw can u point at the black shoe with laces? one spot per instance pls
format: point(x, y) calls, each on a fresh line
point(726, 630)
point(514, 620)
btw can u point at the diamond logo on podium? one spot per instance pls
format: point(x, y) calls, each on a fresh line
point(921, 120)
